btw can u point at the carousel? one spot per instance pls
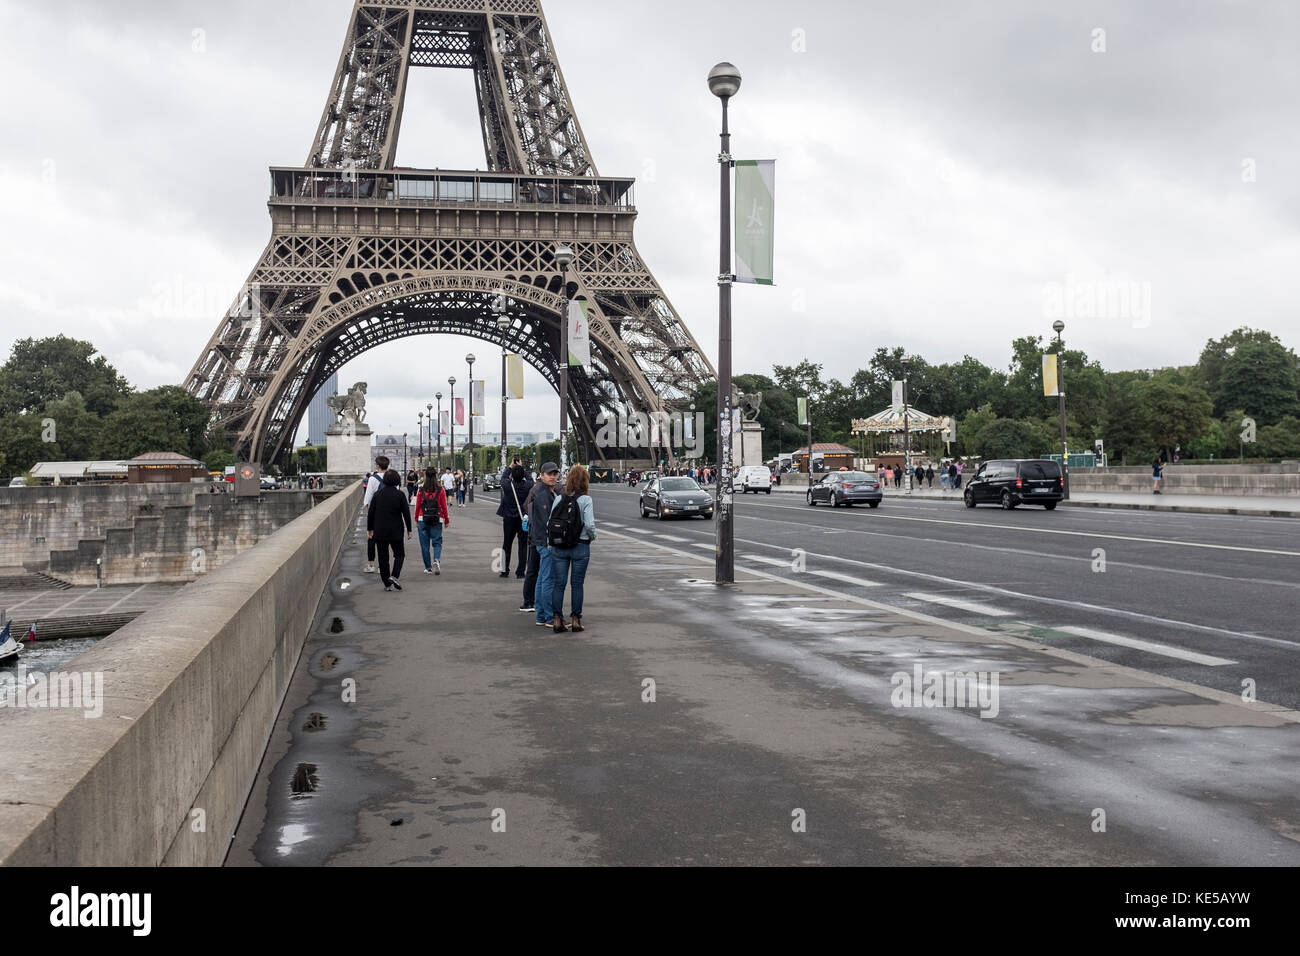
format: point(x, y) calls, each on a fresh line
point(882, 435)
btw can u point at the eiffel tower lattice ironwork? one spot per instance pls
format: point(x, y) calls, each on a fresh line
point(363, 253)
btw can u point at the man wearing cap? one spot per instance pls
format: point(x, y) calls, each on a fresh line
point(538, 505)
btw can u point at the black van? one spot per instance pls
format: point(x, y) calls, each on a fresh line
point(1010, 482)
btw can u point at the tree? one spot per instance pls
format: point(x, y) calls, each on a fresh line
point(74, 428)
point(1260, 377)
point(1007, 438)
point(44, 370)
point(21, 446)
point(1174, 414)
point(1281, 440)
point(1214, 357)
point(161, 419)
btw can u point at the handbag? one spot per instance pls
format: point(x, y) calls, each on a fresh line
point(522, 517)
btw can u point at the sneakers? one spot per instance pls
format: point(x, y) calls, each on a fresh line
point(396, 584)
point(437, 568)
point(428, 570)
point(504, 574)
point(527, 607)
point(388, 587)
point(542, 623)
point(369, 569)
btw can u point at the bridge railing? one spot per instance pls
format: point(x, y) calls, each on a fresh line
point(449, 187)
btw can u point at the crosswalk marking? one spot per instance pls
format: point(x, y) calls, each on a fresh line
point(846, 578)
point(1162, 649)
point(758, 557)
point(958, 604)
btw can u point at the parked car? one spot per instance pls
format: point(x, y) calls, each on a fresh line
point(18, 482)
point(491, 481)
point(754, 478)
point(1016, 481)
point(847, 488)
point(680, 497)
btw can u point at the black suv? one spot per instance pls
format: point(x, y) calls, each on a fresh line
point(1011, 482)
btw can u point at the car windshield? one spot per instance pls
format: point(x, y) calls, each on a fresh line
point(855, 476)
point(1038, 470)
point(678, 484)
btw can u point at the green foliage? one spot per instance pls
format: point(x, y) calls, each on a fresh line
point(161, 419)
point(1008, 438)
point(1261, 378)
point(40, 371)
point(547, 451)
point(1281, 440)
point(20, 443)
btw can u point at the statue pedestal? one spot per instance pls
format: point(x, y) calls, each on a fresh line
point(347, 450)
point(747, 445)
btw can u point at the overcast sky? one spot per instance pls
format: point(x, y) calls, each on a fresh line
point(947, 173)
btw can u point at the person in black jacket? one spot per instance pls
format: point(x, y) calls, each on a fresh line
point(389, 510)
point(514, 492)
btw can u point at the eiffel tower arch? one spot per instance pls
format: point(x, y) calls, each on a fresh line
point(362, 252)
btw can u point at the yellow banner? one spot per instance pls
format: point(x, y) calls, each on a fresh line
point(514, 376)
point(1049, 375)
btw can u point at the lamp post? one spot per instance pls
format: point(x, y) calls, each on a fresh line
point(907, 437)
point(724, 83)
point(451, 417)
point(420, 426)
point(429, 409)
point(469, 472)
point(405, 463)
point(438, 396)
point(564, 258)
point(503, 323)
point(1058, 327)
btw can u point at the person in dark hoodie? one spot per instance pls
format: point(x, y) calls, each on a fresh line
point(514, 492)
point(389, 510)
point(537, 580)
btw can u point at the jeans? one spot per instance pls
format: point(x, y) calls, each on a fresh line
point(399, 555)
point(562, 560)
point(430, 535)
point(542, 594)
point(530, 574)
point(460, 496)
point(514, 531)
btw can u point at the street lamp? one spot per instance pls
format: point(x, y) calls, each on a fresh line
point(564, 258)
point(429, 409)
point(438, 396)
point(420, 426)
point(405, 463)
point(451, 417)
point(907, 437)
point(470, 387)
point(503, 323)
point(1058, 327)
point(724, 83)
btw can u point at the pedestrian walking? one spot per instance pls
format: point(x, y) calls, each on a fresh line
point(389, 512)
point(573, 519)
point(1157, 472)
point(957, 483)
point(929, 476)
point(898, 476)
point(460, 488)
point(514, 491)
point(412, 479)
point(537, 580)
point(431, 515)
point(952, 474)
point(373, 484)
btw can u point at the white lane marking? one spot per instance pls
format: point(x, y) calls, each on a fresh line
point(1162, 649)
point(1151, 677)
point(958, 604)
point(846, 578)
point(610, 524)
point(638, 530)
point(673, 537)
point(878, 516)
point(704, 544)
point(127, 597)
point(34, 597)
point(758, 557)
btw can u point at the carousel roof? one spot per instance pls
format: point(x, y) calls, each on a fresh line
point(891, 420)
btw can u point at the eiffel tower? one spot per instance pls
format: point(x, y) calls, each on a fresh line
point(362, 252)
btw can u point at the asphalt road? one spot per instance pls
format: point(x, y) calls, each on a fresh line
point(1209, 599)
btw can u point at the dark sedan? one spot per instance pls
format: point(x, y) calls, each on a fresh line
point(847, 488)
point(675, 497)
point(491, 481)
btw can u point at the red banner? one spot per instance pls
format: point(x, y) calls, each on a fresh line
point(460, 411)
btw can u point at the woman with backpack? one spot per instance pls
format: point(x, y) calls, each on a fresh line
point(571, 530)
point(431, 514)
point(514, 492)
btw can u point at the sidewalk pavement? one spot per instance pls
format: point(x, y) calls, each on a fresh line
point(751, 724)
point(1273, 507)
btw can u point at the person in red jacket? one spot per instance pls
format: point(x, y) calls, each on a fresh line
point(431, 514)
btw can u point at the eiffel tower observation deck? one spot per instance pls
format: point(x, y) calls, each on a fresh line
point(363, 252)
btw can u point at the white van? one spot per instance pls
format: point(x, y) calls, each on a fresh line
point(754, 478)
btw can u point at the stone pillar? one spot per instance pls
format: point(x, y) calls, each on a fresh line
point(747, 445)
point(347, 449)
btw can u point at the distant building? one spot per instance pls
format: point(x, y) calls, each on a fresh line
point(163, 466)
point(319, 416)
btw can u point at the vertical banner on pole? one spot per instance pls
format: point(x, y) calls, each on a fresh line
point(755, 217)
point(459, 417)
point(444, 423)
point(579, 334)
point(1050, 382)
point(803, 411)
point(898, 397)
point(476, 403)
point(514, 375)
